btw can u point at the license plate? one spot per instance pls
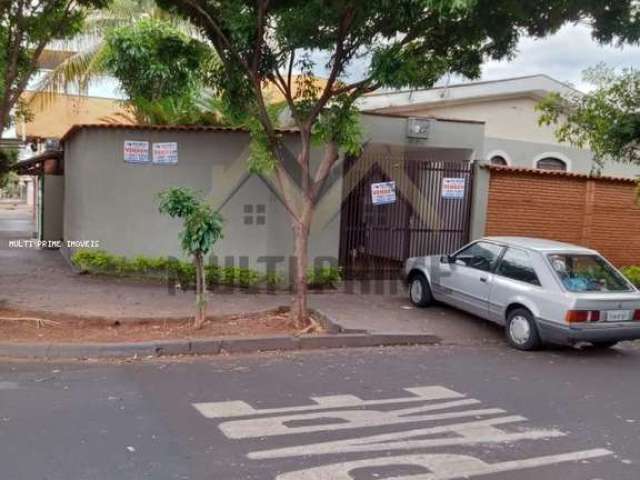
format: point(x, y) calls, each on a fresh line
point(618, 315)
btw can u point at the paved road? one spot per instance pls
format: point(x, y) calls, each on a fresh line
point(486, 412)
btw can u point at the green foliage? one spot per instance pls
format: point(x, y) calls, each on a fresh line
point(8, 158)
point(340, 123)
point(202, 226)
point(633, 274)
point(178, 202)
point(606, 120)
point(324, 277)
point(174, 111)
point(25, 29)
point(162, 268)
point(153, 60)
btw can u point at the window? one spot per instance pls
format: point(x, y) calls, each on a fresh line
point(480, 255)
point(499, 160)
point(516, 264)
point(260, 214)
point(587, 273)
point(551, 163)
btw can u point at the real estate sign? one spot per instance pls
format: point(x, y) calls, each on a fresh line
point(165, 153)
point(453, 187)
point(383, 193)
point(136, 151)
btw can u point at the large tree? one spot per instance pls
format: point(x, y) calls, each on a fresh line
point(606, 120)
point(26, 27)
point(404, 43)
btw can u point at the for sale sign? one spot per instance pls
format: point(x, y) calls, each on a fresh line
point(453, 187)
point(165, 153)
point(136, 151)
point(383, 193)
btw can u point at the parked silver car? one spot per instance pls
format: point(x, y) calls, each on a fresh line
point(542, 291)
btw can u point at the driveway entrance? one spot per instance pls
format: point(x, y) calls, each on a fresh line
point(428, 214)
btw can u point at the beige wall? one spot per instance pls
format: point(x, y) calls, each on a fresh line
point(512, 131)
point(512, 118)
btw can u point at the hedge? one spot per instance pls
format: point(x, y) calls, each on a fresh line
point(162, 268)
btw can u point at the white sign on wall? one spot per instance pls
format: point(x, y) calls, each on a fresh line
point(136, 151)
point(383, 193)
point(453, 187)
point(165, 153)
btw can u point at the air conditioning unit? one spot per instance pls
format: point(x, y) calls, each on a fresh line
point(419, 128)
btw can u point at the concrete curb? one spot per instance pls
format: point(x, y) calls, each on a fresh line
point(212, 346)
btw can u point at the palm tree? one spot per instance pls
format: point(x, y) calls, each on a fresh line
point(85, 64)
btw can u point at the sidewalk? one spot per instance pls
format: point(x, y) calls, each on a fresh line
point(40, 280)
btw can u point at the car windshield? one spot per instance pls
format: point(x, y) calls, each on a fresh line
point(587, 273)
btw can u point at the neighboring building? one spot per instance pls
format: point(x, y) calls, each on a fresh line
point(507, 108)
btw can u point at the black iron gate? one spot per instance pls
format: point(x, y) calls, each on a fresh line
point(430, 215)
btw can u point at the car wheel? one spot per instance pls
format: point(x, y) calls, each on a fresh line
point(521, 330)
point(419, 291)
point(603, 345)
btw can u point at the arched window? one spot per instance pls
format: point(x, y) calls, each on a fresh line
point(551, 163)
point(499, 160)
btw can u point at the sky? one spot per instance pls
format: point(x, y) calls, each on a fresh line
point(562, 56)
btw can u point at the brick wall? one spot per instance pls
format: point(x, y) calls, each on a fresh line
point(600, 213)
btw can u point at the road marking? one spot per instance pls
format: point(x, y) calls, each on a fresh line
point(441, 467)
point(344, 419)
point(243, 409)
point(348, 412)
point(482, 431)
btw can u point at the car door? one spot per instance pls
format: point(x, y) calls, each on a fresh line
point(465, 281)
point(514, 278)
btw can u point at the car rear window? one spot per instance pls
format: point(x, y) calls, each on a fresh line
point(587, 273)
point(516, 264)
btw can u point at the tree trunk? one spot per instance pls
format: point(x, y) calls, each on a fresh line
point(299, 313)
point(201, 291)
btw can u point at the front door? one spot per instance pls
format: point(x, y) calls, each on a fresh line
point(466, 281)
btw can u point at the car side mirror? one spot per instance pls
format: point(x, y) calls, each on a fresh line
point(446, 259)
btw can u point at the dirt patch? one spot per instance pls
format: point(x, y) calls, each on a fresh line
point(68, 329)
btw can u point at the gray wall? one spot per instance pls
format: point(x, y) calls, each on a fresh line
point(52, 205)
point(445, 134)
point(115, 202)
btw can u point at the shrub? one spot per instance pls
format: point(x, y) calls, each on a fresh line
point(97, 261)
point(324, 277)
point(100, 261)
point(633, 274)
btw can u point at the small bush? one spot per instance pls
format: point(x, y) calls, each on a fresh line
point(97, 261)
point(633, 274)
point(100, 261)
point(324, 277)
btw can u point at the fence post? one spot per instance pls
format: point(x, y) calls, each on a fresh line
point(589, 202)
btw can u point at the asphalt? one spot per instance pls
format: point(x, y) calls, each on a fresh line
point(575, 414)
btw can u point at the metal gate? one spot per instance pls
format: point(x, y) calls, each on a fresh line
point(427, 217)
